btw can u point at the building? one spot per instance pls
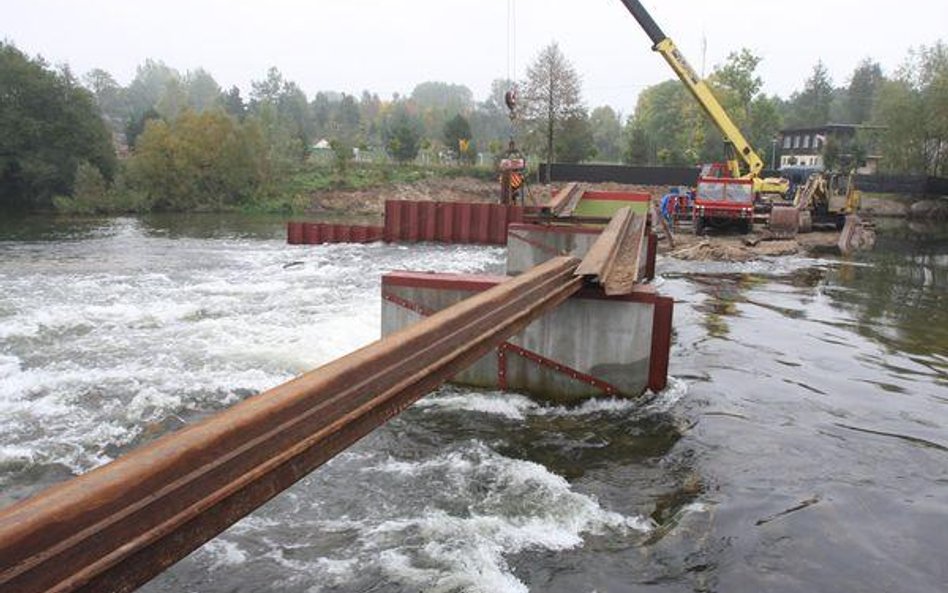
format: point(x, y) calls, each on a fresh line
point(806, 148)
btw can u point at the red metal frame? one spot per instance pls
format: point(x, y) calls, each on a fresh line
point(551, 364)
point(661, 344)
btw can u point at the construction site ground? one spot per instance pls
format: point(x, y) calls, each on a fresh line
point(724, 245)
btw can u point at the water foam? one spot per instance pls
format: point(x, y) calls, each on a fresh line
point(524, 507)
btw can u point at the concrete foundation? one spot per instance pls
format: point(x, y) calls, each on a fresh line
point(591, 345)
point(529, 245)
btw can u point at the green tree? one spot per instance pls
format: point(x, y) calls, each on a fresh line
point(48, 125)
point(233, 103)
point(284, 114)
point(575, 142)
point(110, 97)
point(199, 161)
point(606, 127)
point(637, 145)
point(348, 119)
point(913, 107)
point(739, 75)
point(136, 125)
point(202, 90)
point(457, 137)
point(811, 107)
point(863, 88)
point(551, 96)
point(148, 87)
point(402, 135)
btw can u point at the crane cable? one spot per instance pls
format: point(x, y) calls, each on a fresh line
point(511, 40)
point(510, 97)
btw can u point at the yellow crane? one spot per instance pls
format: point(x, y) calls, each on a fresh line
point(726, 191)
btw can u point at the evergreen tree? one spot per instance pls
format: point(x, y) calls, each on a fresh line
point(863, 88)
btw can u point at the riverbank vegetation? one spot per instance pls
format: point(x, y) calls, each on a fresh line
point(172, 141)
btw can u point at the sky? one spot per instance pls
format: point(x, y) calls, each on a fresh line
point(389, 46)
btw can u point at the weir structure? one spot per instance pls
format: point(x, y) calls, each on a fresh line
point(117, 526)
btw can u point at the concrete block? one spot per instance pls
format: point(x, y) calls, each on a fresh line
point(591, 345)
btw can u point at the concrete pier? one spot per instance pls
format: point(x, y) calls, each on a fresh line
point(529, 245)
point(590, 346)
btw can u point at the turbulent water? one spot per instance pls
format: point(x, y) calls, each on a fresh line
point(801, 446)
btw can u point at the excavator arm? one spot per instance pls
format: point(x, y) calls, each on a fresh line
point(698, 88)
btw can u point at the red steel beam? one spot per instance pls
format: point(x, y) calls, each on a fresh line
point(116, 527)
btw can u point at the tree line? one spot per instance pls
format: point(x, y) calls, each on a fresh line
point(185, 143)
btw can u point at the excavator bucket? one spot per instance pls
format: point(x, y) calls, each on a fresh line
point(784, 222)
point(856, 235)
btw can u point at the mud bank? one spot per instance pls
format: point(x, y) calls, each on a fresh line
point(741, 248)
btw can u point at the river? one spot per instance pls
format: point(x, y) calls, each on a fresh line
point(801, 445)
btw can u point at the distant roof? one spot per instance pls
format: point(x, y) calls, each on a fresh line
point(832, 126)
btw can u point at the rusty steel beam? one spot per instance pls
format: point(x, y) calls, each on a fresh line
point(564, 202)
point(116, 527)
point(613, 260)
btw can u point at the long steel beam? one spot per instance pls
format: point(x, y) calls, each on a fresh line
point(613, 260)
point(116, 527)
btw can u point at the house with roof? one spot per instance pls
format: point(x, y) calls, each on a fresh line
point(830, 146)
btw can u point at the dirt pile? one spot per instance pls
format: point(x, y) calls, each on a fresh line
point(730, 249)
point(372, 200)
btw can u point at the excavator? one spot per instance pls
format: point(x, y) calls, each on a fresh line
point(725, 191)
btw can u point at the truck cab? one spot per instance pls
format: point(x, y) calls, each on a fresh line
point(723, 199)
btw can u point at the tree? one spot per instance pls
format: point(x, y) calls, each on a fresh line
point(110, 97)
point(551, 97)
point(863, 88)
point(348, 119)
point(606, 128)
point(136, 125)
point(202, 90)
point(811, 107)
point(48, 125)
point(402, 135)
point(739, 75)
point(199, 161)
point(457, 137)
point(148, 86)
point(443, 96)
point(233, 103)
point(284, 114)
point(637, 149)
point(575, 143)
point(913, 107)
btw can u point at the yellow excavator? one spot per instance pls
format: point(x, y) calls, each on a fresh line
point(725, 191)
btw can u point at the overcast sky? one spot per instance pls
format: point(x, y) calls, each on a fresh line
point(389, 46)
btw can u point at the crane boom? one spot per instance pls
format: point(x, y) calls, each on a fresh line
point(698, 88)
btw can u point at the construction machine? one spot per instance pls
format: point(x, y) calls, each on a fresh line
point(826, 199)
point(729, 190)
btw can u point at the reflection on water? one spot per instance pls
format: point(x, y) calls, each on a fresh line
point(900, 291)
point(800, 447)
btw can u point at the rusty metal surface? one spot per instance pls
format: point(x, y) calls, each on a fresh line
point(536, 358)
point(565, 200)
point(613, 260)
point(410, 221)
point(313, 233)
point(117, 526)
